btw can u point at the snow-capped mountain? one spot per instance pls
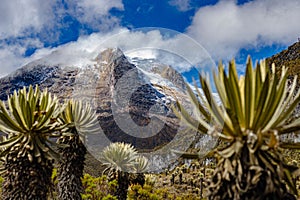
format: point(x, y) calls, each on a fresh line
point(132, 96)
point(143, 88)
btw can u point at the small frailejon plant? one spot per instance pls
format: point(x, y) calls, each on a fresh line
point(255, 111)
point(140, 166)
point(79, 120)
point(29, 121)
point(121, 160)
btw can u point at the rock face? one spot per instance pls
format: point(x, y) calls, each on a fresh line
point(124, 100)
point(132, 103)
point(289, 58)
point(59, 80)
point(162, 70)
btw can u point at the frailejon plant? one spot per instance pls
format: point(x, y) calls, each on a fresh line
point(28, 120)
point(255, 111)
point(140, 166)
point(123, 159)
point(79, 120)
point(119, 158)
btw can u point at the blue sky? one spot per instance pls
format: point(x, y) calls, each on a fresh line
point(226, 29)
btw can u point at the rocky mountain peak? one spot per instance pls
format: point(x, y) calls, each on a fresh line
point(171, 74)
point(120, 90)
point(109, 55)
point(290, 58)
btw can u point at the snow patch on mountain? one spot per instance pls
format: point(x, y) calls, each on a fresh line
point(146, 66)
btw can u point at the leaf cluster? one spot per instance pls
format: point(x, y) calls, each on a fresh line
point(255, 110)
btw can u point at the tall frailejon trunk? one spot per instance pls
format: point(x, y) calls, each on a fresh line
point(139, 179)
point(26, 180)
point(70, 168)
point(123, 184)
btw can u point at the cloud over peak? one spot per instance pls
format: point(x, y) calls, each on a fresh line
point(33, 28)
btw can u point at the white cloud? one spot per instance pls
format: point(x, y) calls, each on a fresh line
point(8, 58)
point(23, 20)
point(12, 56)
point(224, 28)
point(180, 51)
point(143, 53)
point(99, 7)
point(19, 16)
point(95, 13)
point(181, 5)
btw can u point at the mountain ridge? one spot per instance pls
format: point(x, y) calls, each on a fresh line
point(108, 71)
point(290, 58)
